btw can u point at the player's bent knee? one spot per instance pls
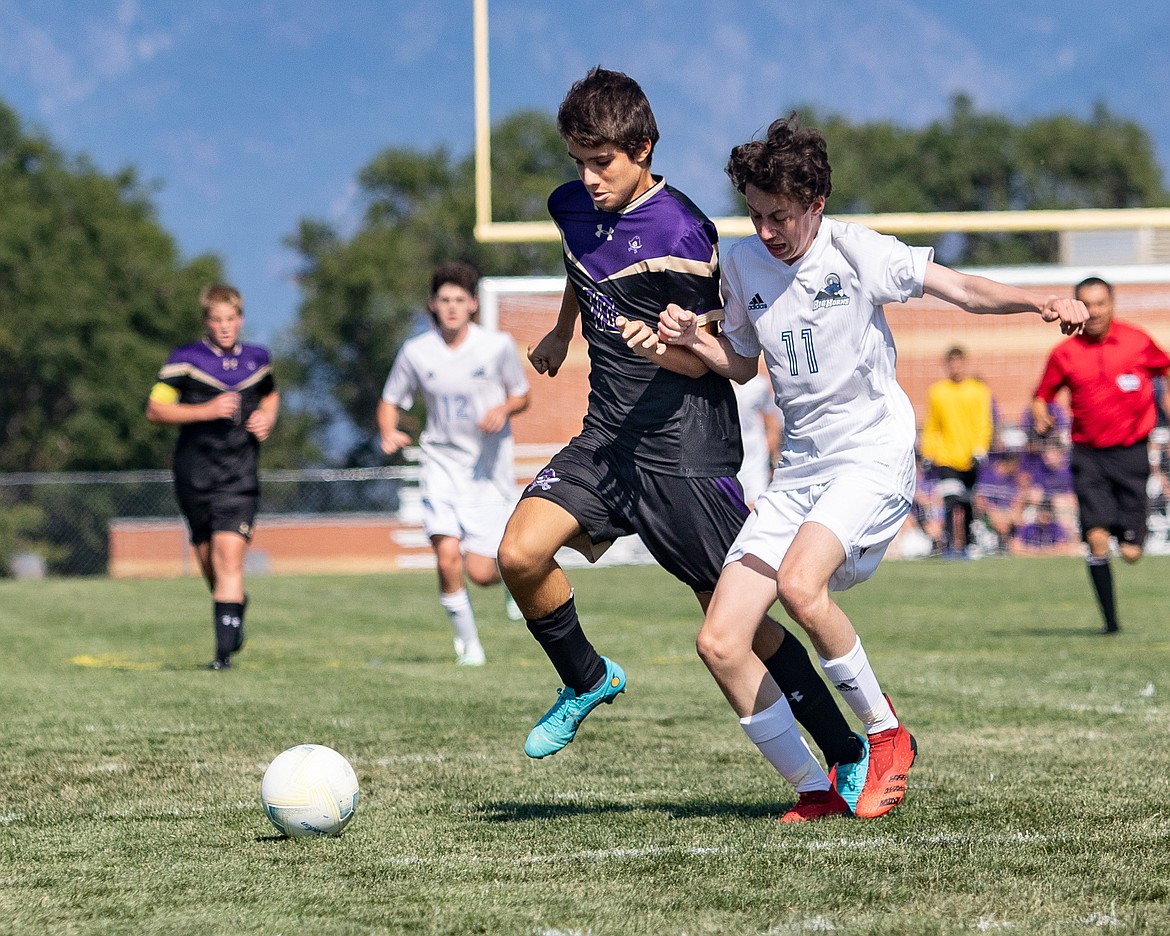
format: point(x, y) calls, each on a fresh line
point(521, 556)
point(716, 647)
point(799, 596)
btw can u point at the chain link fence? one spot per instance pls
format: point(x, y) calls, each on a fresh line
point(59, 524)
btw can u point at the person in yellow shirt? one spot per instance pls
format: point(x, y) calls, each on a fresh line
point(956, 435)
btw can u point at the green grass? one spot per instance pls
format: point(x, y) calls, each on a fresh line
point(130, 776)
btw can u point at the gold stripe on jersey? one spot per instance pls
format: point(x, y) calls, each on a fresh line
point(185, 369)
point(706, 268)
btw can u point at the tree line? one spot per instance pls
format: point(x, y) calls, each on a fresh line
point(94, 292)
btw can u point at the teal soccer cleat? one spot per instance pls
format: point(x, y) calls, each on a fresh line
point(849, 779)
point(560, 723)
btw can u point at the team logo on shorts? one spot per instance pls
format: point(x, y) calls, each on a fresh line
point(545, 480)
point(831, 295)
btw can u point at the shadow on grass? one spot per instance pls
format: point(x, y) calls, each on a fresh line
point(530, 812)
point(1054, 631)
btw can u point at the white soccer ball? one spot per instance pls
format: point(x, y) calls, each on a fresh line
point(309, 790)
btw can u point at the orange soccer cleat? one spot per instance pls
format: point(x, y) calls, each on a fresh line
point(891, 752)
point(817, 804)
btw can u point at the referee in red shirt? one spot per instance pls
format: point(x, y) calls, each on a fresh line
point(1109, 370)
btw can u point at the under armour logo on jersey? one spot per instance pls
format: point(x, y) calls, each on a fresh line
point(797, 696)
point(603, 231)
point(757, 304)
point(545, 480)
point(831, 294)
point(635, 245)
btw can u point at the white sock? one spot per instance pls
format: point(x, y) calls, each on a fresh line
point(775, 733)
point(458, 608)
point(858, 686)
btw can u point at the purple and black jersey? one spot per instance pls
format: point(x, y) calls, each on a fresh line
point(219, 455)
point(657, 250)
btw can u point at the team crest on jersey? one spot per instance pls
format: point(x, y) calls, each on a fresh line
point(757, 304)
point(545, 480)
point(830, 294)
point(1129, 383)
point(635, 244)
point(479, 373)
point(602, 311)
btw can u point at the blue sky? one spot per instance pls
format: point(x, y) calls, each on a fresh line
point(248, 116)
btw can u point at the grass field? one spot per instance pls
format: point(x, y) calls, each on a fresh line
point(130, 775)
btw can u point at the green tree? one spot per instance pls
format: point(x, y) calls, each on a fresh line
point(362, 294)
point(972, 161)
point(92, 296)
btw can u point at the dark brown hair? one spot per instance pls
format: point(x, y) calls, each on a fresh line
point(456, 272)
point(1092, 281)
point(607, 107)
point(791, 160)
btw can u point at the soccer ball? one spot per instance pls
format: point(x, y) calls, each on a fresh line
point(309, 790)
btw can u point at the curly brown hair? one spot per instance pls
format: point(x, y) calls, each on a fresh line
point(791, 160)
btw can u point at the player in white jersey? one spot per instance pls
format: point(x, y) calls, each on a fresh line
point(759, 425)
point(807, 292)
point(472, 384)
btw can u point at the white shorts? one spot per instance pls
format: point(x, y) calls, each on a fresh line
point(478, 527)
point(860, 510)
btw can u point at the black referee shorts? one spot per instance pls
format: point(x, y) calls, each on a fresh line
point(1110, 485)
point(687, 524)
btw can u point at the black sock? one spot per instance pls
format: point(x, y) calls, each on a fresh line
point(240, 631)
point(950, 509)
point(228, 615)
point(812, 703)
point(568, 649)
point(1102, 577)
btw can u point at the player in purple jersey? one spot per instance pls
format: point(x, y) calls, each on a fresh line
point(660, 445)
point(222, 396)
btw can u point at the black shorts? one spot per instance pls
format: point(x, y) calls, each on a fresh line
point(210, 512)
point(953, 483)
point(1110, 485)
point(687, 524)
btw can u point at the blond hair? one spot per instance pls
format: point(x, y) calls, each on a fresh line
point(220, 292)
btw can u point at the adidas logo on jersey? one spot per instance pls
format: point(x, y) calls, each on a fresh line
point(757, 304)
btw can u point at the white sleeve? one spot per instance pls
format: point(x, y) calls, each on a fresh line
point(400, 385)
point(737, 324)
point(515, 383)
point(889, 270)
